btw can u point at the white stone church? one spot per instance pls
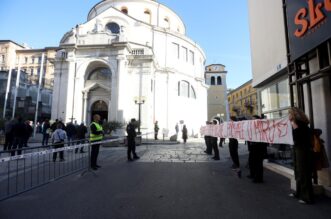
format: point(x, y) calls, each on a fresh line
point(130, 52)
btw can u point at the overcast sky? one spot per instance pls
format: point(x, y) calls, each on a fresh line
point(220, 27)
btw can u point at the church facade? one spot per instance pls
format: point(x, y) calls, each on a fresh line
point(131, 56)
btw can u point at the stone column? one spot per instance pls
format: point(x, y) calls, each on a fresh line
point(85, 96)
point(121, 86)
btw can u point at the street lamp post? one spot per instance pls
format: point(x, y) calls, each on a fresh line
point(139, 100)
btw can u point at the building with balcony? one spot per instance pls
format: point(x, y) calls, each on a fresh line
point(243, 101)
point(131, 50)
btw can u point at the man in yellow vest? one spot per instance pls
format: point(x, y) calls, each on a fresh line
point(96, 134)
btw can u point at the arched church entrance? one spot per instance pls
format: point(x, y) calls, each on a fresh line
point(97, 91)
point(101, 108)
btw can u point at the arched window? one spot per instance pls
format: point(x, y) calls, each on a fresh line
point(192, 93)
point(100, 74)
point(219, 80)
point(99, 106)
point(125, 10)
point(183, 89)
point(148, 16)
point(113, 27)
point(212, 81)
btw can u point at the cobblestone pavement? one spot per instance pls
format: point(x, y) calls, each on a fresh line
point(192, 151)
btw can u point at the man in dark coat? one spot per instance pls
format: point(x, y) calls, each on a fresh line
point(257, 153)
point(213, 142)
point(71, 133)
point(81, 135)
point(20, 133)
point(131, 130)
point(207, 141)
point(54, 125)
point(28, 133)
point(9, 135)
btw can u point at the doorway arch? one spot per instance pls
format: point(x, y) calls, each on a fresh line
point(100, 107)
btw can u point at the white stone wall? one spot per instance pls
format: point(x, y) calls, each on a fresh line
point(267, 36)
point(154, 74)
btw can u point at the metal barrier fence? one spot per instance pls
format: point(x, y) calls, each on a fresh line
point(35, 166)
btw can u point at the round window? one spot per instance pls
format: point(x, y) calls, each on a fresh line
point(113, 27)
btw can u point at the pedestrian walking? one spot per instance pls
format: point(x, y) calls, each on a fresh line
point(58, 138)
point(303, 156)
point(131, 130)
point(46, 131)
point(156, 130)
point(184, 134)
point(96, 135)
point(81, 135)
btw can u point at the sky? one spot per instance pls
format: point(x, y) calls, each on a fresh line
point(220, 27)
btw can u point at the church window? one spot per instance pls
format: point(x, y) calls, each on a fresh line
point(219, 80)
point(191, 57)
point(113, 27)
point(184, 87)
point(184, 54)
point(212, 81)
point(100, 74)
point(175, 48)
point(125, 10)
point(192, 93)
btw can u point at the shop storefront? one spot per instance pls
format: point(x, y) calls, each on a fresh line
point(308, 30)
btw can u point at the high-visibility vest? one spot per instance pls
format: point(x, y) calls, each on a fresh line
point(94, 137)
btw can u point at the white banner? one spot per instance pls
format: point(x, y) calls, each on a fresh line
point(278, 131)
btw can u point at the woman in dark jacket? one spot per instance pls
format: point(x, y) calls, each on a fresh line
point(303, 156)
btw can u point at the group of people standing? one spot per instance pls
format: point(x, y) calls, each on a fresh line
point(184, 131)
point(17, 134)
point(304, 151)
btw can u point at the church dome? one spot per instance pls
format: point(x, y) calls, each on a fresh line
point(147, 11)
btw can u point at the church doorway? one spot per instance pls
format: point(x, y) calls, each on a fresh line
point(101, 108)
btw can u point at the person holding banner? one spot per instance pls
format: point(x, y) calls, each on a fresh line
point(207, 141)
point(303, 156)
point(257, 152)
point(233, 149)
point(213, 142)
